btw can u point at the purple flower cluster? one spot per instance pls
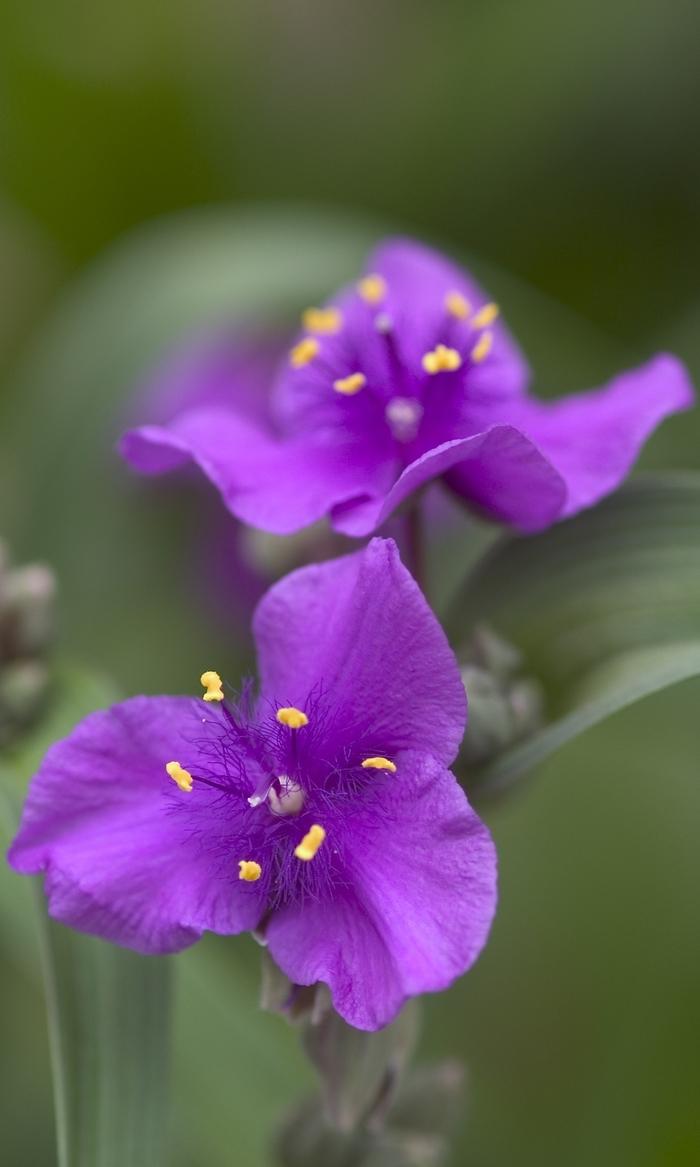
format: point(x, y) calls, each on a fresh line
point(321, 814)
point(318, 810)
point(407, 376)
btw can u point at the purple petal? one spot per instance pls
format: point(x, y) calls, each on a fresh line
point(421, 869)
point(116, 838)
point(213, 369)
point(277, 486)
point(594, 438)
point(418, 279)
point(360, 629)
point(500, 472)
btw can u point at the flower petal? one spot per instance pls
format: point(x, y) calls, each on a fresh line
point(275, 485)
point(360, 630)
point(117, 841)
point(594, 438)
point(418, 279)
point(421, 870)
point(499, 472)
point(213, 368)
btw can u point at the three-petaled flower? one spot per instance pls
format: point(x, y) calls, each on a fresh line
point(321, 814)
point(407, 376)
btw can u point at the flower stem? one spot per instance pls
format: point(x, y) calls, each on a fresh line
point(414, 545)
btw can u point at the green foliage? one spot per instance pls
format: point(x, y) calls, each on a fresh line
point(605, 610)
point(108, 1008)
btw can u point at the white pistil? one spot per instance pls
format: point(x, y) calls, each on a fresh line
point(289, 799)
point(403, 415)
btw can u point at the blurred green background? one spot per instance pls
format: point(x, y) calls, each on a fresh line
point(165, 165)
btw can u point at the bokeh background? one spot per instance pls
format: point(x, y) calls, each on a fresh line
point(164, 166)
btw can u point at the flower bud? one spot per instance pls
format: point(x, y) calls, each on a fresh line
point(26, 630)
point(26, 610)
point(504, 707)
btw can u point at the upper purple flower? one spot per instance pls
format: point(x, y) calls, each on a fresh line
point(406, 376)
point(321, 814)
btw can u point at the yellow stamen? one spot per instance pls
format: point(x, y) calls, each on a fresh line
point(249, 870)
point(482, 348)
point(183, 778)
point(294, 718)
point(457, 305)
point(310, 843)
point(324, 321)
point(372, 289)
point(442, 359)
point(350, 385)
point(304, 352)
point(212, 684)
point(485, 316)
point(379, 764)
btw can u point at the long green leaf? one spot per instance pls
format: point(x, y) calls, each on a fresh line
point(604, 608)
point(108, 1009)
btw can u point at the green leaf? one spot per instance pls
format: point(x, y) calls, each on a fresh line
point(604, 608)
point(108, 1009)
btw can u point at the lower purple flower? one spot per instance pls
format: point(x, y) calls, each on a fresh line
point(321, 814)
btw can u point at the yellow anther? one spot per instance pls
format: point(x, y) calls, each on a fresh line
point(372, 289)
point(324, 321)
point(482, 348)
point(183, 778)
point(310, 843)
point(442, 360)
point(304, 352)
point(485, 316)
point(457, 305)
point(249, 870)
point(350, 385)
point(212, 684)
point(379, 764)
point(293, 718)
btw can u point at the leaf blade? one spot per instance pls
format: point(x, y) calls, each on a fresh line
point(108, 1008)
point(605, 610)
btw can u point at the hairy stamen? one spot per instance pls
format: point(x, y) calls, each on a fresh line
point(442, 360)
point(180, 776)
point(212, 683)
point(310, 843)
point(304, 352)
point(372, 289)
point(348, 386)
point(323, 321)
point(379, 764)
point(291, 717)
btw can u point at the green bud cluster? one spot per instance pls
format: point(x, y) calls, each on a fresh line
point(27, 597)
point(504, 705)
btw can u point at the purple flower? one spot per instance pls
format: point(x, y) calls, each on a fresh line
point(407, 376)
point(321, 814)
